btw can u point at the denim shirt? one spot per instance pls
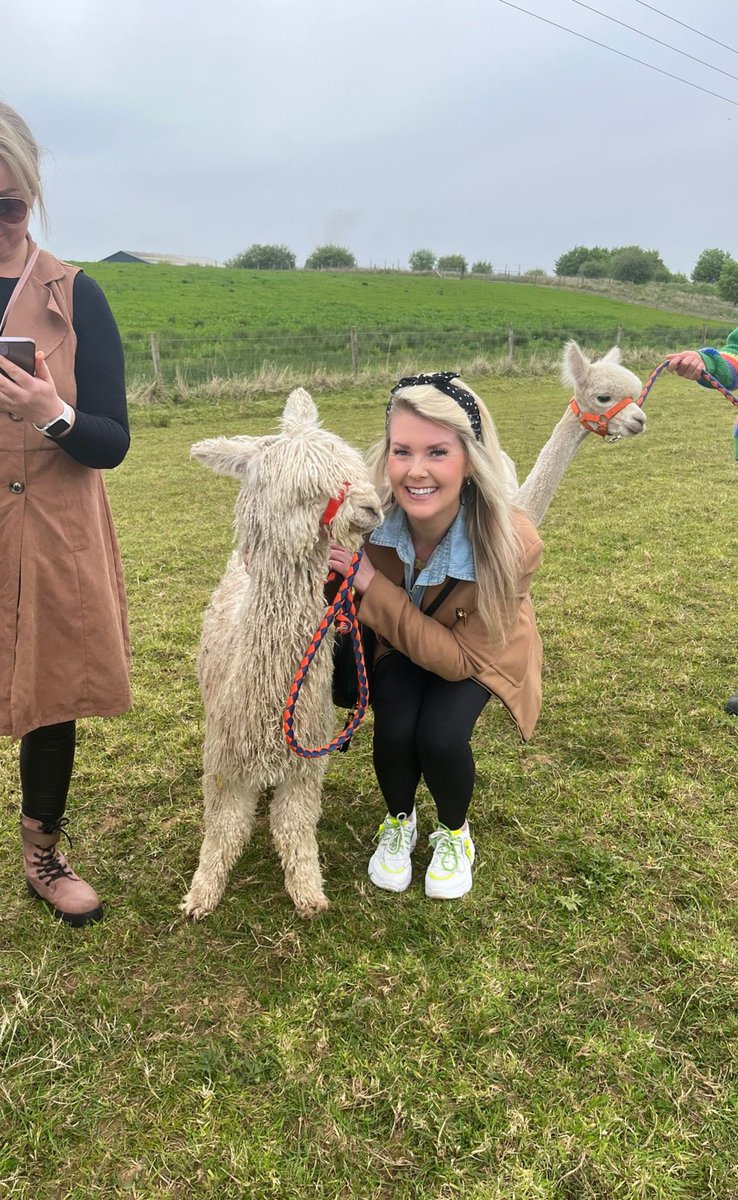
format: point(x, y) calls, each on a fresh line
point(453, 556)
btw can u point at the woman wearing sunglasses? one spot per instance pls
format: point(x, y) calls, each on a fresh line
point(64, 648)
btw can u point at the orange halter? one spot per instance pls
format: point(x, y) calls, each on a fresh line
point(598, 422)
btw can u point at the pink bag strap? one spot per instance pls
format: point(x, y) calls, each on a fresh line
point(30, 264)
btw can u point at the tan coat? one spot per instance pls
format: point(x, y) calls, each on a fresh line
point(64, 650)
point(453, 642)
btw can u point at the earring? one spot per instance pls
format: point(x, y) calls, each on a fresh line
point(468, 491)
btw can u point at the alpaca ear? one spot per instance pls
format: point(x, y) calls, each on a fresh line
point(227, 456)
point(574, 366)
point(299, 411)
point(612, 356)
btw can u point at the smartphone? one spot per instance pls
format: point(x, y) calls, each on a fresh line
point(21, 351)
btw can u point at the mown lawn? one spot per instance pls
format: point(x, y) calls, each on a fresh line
point(569, 1031)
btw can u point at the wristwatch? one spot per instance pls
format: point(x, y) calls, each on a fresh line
point(59, 424)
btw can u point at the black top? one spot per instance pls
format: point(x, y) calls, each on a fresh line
point(99, 437)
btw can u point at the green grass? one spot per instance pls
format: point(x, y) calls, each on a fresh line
point(566, 1032)
point(212, 321)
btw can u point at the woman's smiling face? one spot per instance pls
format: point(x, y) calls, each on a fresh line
point(426, 468)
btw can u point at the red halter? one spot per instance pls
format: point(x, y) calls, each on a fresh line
point(333, 505)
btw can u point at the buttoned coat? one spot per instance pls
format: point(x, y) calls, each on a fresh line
point(64, 649)
point(454, 643)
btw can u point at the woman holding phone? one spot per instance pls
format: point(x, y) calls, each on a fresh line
point(64, 649)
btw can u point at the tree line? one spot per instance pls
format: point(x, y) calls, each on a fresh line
point(630, 264)
point(280, 258)
point(633, 264)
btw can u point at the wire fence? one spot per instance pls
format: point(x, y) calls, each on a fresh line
point(199, 359)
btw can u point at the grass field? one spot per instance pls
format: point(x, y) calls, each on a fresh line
point(569, 1031)
point(218, 322)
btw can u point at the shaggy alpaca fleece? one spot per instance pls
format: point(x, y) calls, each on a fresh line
point(256, 630)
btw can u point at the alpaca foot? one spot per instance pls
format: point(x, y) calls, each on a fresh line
point(311, 905)
point(198, 903)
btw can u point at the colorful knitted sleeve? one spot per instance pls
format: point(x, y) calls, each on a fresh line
point(723, 364)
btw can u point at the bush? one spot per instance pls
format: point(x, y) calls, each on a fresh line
point(728, 282)
point(482, 268)
point(709, 265)
point(453, 262)
point(570, 262)
point(595, 268)
point(422, 260)
point(324, 257)
point(264, 258)
point(633, 264)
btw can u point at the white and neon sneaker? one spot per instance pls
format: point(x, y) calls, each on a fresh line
point(449, 874)
point(390, 866)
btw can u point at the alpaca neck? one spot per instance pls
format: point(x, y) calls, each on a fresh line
point(539, 488)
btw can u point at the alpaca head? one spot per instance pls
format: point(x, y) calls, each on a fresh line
point(288, 480)
point(600, 384)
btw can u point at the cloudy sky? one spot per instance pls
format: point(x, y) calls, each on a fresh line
point(466, 126)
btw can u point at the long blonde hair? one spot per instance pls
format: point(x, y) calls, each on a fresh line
point(494, 542)
point(20, 152)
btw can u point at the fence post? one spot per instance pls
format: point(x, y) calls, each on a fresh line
point(354, 352)
point(619, 335)
point(510, 342)
point(703, 339)
point(155, 358)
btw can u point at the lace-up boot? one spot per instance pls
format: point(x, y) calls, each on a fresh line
point(49, 876)
point(449, 873)
point(390, 866)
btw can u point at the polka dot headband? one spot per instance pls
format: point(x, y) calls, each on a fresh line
point(441, 380)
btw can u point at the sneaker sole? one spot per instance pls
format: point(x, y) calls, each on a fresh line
point(77, 920)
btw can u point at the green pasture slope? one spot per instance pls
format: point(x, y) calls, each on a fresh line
point(212, 321)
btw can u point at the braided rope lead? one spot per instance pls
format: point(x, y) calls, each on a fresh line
point(343, 612)
point(706, 377)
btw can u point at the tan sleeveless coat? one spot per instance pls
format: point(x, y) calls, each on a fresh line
point(64, 650)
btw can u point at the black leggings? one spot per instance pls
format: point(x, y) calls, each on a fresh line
point(422, 726)
point(46, 761)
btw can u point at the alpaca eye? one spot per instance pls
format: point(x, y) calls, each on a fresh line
point(603, 399)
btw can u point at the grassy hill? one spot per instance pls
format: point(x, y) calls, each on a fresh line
point(231, 321)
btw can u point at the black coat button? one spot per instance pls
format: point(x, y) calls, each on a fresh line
point(17, 488)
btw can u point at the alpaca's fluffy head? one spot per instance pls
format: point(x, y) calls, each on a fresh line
point(600, 384)
point(287, 480)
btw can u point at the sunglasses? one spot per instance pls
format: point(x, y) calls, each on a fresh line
point(12, 210)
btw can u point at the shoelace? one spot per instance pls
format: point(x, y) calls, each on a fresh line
point(447, 847)
point(391, 836)
point(46, 859)
point(49, 865)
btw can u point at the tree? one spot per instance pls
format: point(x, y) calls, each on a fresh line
point(633, 264)
point(453, 262)
point(728, 282)
point(570, 262)
point(482, 268)
point(264, 258)
point(325, 257)
point(595, 268)
point(709, 265)
point(422, 260)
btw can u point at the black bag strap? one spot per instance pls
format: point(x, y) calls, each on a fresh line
point(439, 599)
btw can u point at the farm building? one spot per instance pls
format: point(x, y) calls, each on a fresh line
point(142, 256)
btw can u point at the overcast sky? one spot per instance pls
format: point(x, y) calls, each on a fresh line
point(462, 125)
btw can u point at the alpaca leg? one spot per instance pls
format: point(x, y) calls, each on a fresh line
point(293, 816)
point(230, 809)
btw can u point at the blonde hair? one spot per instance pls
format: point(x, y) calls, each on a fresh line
point(21, 154)
point(495, 544)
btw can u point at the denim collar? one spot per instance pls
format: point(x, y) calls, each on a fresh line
point(452, 556)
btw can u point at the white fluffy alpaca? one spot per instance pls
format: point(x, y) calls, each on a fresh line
point(597, 387)
point(255, 633)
